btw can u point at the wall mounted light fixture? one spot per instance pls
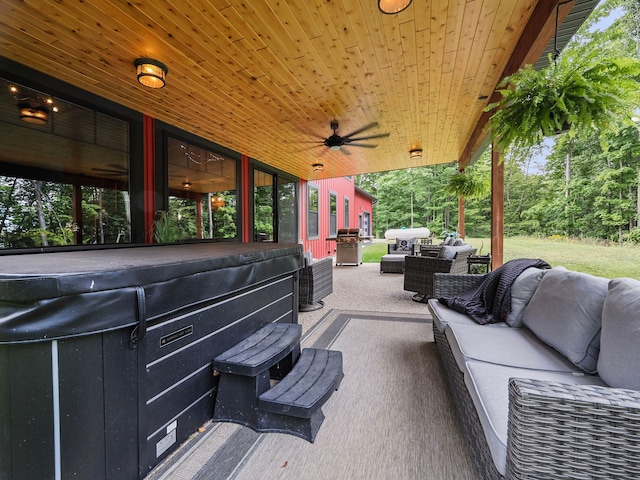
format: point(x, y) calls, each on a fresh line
point(415, 153)
point(393, 6)
point(151, 73)
point(318, 167)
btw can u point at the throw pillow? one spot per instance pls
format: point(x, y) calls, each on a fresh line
point(620, 339)
point(458, 242)
point(521, 292)
point(403, 245)
point(565, 312)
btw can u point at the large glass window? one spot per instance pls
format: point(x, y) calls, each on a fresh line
point(313, 203)
point(287, 211)
point(263, 206)
point(64, 172)
point(202, 195)
point(346, 213)
point(333, 214)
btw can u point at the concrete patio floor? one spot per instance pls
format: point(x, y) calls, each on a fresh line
point(364, 288)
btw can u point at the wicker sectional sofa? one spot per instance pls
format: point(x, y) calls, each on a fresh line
point(557, 394)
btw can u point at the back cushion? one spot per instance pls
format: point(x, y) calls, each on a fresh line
point(565, 312)
point(448, 252)
point(620, 338)
point(521, 292)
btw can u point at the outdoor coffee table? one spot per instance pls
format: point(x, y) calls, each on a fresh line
point(391, 263)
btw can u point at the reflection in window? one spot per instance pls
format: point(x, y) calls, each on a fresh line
point(312, 211)
point(64, 172)
point(263, 220)
point(202, 200)
point(333, 214)
point(287, 211)
point(346, 212)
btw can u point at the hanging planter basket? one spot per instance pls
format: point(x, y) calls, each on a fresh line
point(468, 185)
point(587, 91)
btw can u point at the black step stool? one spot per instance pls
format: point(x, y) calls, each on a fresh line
point(293, 405)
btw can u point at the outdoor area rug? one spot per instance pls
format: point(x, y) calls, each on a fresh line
point(391, 418)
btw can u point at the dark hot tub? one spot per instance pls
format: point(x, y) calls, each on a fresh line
point(105, 355)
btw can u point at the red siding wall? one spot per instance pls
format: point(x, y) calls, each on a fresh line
point(320, 246)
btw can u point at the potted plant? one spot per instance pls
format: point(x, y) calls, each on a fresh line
point(587, 89)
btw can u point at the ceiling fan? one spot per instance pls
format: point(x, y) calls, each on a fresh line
point(336, 142)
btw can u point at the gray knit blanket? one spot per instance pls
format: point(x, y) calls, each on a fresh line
point(490, 300)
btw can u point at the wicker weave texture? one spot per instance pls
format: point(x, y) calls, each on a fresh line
point(452, 284)
point(392, 263)
point(572, 431)
point(419, 271)
point(316, 281)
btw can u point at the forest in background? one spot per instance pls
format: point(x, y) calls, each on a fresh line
point(585, 187)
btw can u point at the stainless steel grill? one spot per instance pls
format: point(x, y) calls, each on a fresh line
point(348, 247)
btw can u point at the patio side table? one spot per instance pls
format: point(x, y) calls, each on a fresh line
point(483, 260)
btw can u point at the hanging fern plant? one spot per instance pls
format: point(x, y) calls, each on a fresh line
point(583, 91)
point(469, 185)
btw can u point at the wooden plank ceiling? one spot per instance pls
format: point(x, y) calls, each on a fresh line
point(265, 78)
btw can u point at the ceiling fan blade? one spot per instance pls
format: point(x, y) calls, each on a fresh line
point(366, 127)
point(365, 145)
point(379, 135)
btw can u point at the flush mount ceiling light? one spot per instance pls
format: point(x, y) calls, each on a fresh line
point(151, 73)
point(393, 6)
point(415, 153)
point(37, 115)
point(186, 184)
point(318, 167)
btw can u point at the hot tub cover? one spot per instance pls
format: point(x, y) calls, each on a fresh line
point(56, 295)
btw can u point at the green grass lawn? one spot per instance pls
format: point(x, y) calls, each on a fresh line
point(582, 256)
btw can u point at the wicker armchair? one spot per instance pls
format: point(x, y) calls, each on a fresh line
point(316, 282)
point(419, 271)
point(555, 430)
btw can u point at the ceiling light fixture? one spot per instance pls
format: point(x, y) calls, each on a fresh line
point(318, 167)
point(415, 153)
point(186, 184)
point(151, 73)
point(393, 6)
point(37, 115)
